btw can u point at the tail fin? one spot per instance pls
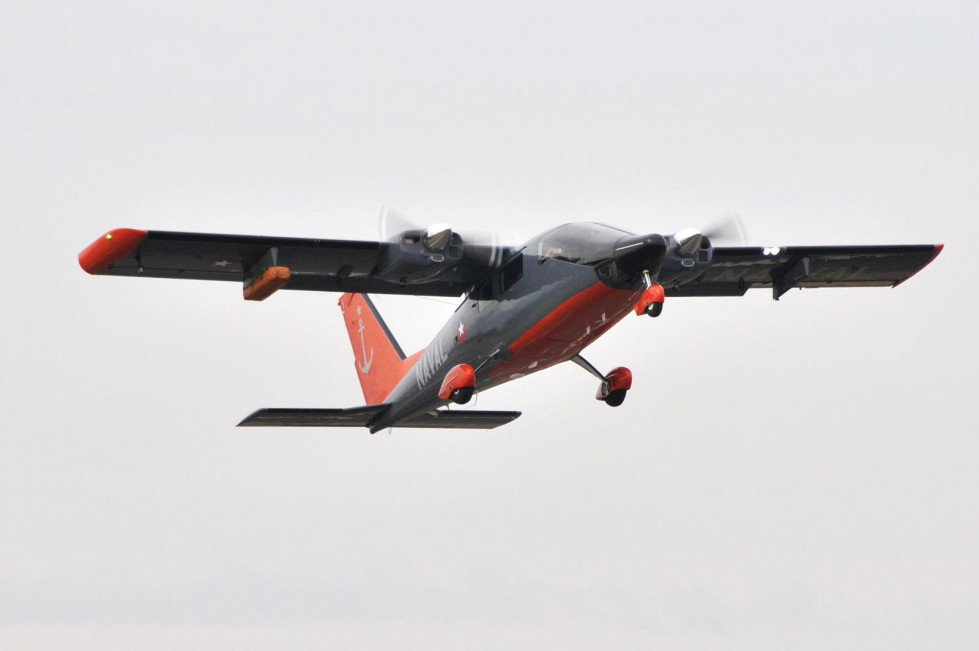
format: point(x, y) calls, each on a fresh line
point(380, 362)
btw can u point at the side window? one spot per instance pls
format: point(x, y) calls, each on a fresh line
point(482, 292)
point(511, 272)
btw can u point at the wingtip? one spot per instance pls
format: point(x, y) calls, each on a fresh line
point(937, 249)
point(249, 420)
point(110, 248)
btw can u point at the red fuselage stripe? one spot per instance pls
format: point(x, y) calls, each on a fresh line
point(563, 317)
point(565, 331)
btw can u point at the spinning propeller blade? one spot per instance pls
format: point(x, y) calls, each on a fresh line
point(483, 248)
point(730, 229)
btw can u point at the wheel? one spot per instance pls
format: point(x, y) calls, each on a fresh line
point(462, 395)
point(654, 309)
point(615, 398)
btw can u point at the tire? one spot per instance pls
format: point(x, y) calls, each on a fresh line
point(654, 309)
point(615, 398)
point(462, 395)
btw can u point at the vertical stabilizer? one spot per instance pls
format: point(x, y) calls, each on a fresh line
point(379, 361)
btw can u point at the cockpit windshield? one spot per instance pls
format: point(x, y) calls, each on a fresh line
point(583, 243)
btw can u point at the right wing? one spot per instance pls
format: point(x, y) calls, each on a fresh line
point(308, 264)
point(735, 270)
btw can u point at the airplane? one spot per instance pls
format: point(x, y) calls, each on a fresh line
point(526, 308)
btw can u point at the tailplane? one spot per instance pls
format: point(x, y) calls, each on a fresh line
point(379, 360)
point(365, 416)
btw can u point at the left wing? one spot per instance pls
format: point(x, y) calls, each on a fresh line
point(735, 270)
point(266, 264)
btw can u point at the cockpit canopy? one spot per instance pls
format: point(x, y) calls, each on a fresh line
point(582, 243)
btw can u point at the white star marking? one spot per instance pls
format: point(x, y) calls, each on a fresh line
point(462, 332)
point(222, 263)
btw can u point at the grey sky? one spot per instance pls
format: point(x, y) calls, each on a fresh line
point(799, 474)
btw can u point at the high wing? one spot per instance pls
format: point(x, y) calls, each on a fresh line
point(735, 270)
point(298, 263)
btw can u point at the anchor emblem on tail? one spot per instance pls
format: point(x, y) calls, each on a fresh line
point(366, 365)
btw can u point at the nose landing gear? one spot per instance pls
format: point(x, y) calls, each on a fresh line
point(614, 385)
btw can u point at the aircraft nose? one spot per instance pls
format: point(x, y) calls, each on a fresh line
point(638, 253)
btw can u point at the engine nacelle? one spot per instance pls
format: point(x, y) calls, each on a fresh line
point(420, 255)
point(637, 260)
point(689, 253)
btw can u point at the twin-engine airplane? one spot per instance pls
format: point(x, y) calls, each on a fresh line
point(526, 308)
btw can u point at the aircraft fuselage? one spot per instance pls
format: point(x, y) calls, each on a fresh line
point(529, 318)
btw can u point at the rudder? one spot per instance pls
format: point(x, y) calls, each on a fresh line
point(379, 360)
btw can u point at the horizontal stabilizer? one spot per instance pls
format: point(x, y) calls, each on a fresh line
point(355, 417)
point(443, 418)
point(362, 416)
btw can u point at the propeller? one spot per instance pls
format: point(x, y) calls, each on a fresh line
point(483, 248)
point(391, 223)
point(728, 229)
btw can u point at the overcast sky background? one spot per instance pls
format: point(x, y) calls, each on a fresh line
point(800, 474)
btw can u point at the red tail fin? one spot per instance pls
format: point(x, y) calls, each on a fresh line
point(380, 362)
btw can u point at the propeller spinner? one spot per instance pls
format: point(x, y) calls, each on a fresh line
point(437, 237)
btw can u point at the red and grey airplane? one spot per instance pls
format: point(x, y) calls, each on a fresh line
point(526, 308)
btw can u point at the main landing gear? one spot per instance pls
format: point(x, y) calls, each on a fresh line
point(459, 384)
point(614, 386)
